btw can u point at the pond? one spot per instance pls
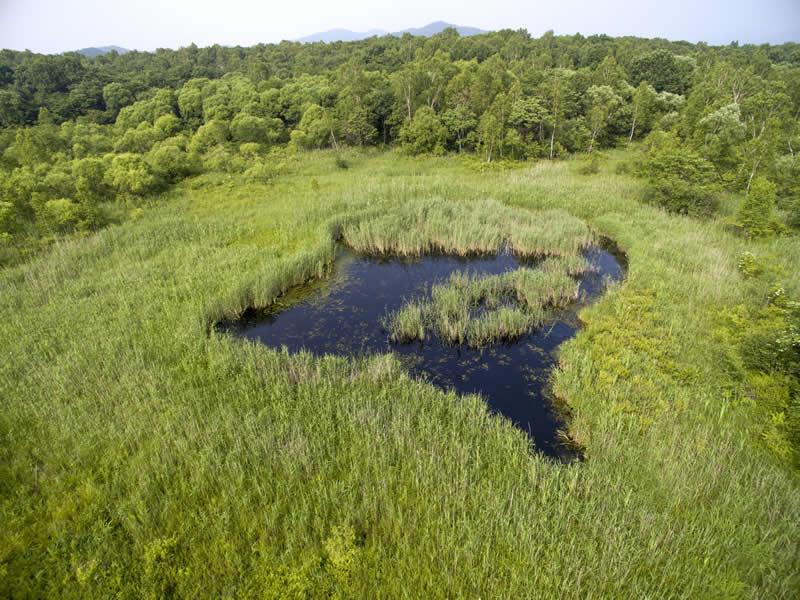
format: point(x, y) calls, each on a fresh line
point(344, 314)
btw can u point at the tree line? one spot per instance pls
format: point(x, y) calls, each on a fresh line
point(78, 131)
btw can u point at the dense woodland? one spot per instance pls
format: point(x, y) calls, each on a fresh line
point(78, 131)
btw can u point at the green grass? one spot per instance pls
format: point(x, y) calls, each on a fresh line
point(144, 455)
point(427, 225)
point(477, 310)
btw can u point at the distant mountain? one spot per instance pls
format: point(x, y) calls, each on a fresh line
point(345, 35)
point(101, 50)
point(439, 27)
point(341, 35)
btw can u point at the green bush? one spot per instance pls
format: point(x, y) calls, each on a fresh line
point(793, 217)
point(250, 150)
point(623, 167)
point(59, 216)
point(260, 173)
point(341, 162)
point(7, 217)
point(681, 182)
point(170, 162)
point(590, 165)
point(764, 354)
point(131, 174)
point(754, 216)
point(424, 134)
point(750, 265)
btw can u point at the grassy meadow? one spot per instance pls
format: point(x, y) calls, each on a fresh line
point(145, 454)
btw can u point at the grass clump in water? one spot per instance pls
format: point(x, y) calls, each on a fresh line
point(482, 309)
point(408, 324)
point(504, 324)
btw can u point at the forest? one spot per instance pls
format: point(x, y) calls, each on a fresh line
point(146, 197)
point(78, 131)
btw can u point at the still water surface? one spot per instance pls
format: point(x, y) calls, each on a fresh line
point(342, 315)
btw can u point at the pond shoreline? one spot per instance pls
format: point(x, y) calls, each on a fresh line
point(343, 311)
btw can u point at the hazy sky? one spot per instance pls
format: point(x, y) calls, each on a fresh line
point(58, 25)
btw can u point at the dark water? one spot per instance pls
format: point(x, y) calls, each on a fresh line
point(342, 315)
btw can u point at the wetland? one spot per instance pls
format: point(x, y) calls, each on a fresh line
point(354, 309)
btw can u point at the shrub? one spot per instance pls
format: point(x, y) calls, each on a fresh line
point(59, 216)
point(171, 163)
point(131, 174)
point(209, 135)
point(763, 353)
point(680, 181)
point(754, 216)
point(7, 217)
point(424, 134)
point(260, 173)
point(250, 150)
point(683, 197)
point(166, 126)
point(623, 167)
point(749, 265)
point(793, 218)
point(590, 165)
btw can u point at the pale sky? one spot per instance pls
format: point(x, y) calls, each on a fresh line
point(53, 26)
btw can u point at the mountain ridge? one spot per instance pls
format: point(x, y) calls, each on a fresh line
point(345, 35)
point(98, 50)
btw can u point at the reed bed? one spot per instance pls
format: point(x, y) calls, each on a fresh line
point(143, 456)
point(477, 310)
point(429, 226)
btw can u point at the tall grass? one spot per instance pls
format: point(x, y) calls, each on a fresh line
point(142, 456)
point(425, 226)
point(482, 309)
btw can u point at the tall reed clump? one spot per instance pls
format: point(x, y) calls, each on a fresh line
point(425, 226)
point(413, 227)
point(482, 309)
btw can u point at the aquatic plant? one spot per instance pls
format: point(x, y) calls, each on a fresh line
point(481, 309)
point(425, 226)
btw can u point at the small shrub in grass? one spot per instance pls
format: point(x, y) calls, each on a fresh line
point(343, 555)
point(590, 165)
point(681, 182)
point(59, 215)
point(260, 173)
point(749, 265)
point(678, 180)
point(478, 164)
point(763, 350)
point(8, 254)
point(341, 162)
point(793, 213)
point(682, 197)
point(623, 167)
point(777, 296)
point(754, 215)
point(764, 266)
point(7, 217)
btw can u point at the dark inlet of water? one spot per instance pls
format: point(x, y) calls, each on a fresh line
point(342, 315)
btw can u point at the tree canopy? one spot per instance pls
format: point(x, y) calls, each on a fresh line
point(147, 120)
